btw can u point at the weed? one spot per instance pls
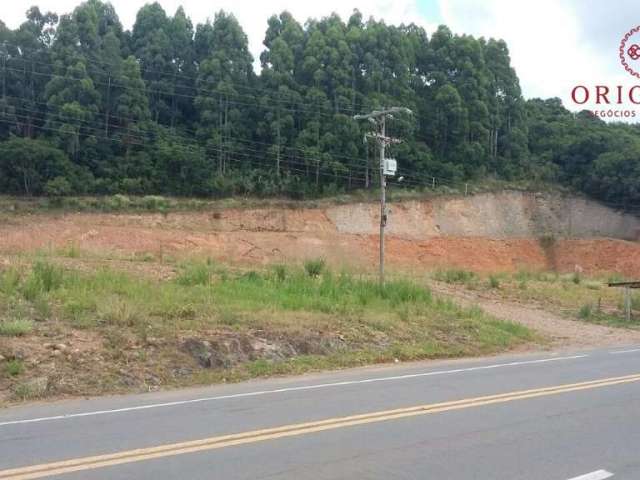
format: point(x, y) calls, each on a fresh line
point(455, 276)
point(41, 307)
point(9, 281)
point(314, 267)
point(31, 390)
point(547, 241)
point(119, 312)
point(14, 367)
point(585, 311)
point(15, 328)
point(71, 251)
point(195, 274)
point(280, 272)
point(44, 278)
point(494, 282)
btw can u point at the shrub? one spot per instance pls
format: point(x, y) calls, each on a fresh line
point(118, 202)
point(494, 282)
point(315, 267)
point(155, 202)
point(585, 311)
point(547, 240)
point(14, 367)
point(58, 187)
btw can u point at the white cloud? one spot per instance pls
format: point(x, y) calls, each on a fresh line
point(547, 41)
point(554, 45)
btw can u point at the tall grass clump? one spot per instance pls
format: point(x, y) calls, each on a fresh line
point(315, 267)
point(44, 278)
point(195, 274)
point(455, 276)
point(9, 281)
point(15, 328)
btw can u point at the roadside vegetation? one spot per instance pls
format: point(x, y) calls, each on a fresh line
point(575, 295)
point(66, 331)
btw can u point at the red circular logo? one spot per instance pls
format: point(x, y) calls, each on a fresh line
point(629, 51)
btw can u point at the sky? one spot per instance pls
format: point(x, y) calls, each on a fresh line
point(554, 44)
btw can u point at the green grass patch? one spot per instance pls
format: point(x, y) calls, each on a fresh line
point(314, 318)
point(14, 367)
point(15, 328)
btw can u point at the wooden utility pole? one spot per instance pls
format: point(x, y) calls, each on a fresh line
point(383, 195)
point(379, 117)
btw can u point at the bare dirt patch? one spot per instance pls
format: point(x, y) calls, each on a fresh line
point(561, 331)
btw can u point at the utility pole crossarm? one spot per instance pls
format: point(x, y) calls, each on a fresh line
point(378, 113)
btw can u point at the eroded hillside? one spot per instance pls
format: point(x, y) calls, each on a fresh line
point(487, 232)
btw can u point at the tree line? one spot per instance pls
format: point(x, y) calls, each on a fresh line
point(87, 107)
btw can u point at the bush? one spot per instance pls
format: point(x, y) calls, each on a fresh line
point(155, 202)
point(14, 367)
point(118, 202)
point(314, 268)
point(494, 282)
point(58, 187)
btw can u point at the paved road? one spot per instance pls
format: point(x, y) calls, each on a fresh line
point(556, 416)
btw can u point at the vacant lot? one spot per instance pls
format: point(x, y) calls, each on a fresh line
point(574, 296)
point(73, 328)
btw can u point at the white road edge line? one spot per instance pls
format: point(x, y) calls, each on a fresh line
point(287, 389)
point(597, 475)
point(618, 352)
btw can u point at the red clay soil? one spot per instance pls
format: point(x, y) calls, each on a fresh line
point(267, 236)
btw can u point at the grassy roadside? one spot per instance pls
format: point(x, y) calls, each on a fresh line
point(574, 295)
point(70, 332)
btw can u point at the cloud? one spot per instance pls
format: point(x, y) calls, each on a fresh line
point(554, 45)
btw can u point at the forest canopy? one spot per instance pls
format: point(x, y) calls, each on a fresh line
point(170, 107)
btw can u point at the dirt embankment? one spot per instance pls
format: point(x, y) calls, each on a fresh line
point(488, 232)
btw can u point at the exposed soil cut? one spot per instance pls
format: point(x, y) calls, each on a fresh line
point(485, 233)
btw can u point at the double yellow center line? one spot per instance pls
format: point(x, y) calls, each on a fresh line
point(212, 443)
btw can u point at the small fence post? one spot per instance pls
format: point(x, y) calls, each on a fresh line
point(627, 303)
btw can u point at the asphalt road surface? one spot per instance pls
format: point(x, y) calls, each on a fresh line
point(556, 416)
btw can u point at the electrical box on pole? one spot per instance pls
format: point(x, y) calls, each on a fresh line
point(388, 166)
